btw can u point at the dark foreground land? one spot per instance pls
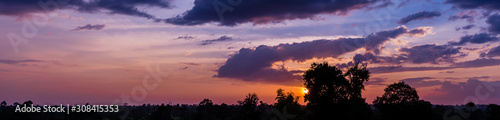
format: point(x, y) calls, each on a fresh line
point(207, 111)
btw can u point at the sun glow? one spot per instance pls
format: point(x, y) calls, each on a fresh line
point(305, 90)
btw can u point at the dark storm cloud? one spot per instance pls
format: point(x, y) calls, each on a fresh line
point(236, 12)
point(494, 22)
point(494, 52)
point(430, 53)
point(221, 39)
point(254, 63)
point(419, 16)
point(125, 7)
point(475, 39)
point(472, 4)
point(90, 27)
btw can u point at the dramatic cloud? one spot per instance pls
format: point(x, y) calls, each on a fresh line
point(221, 39)
point(125, 7)
point(494, 22)
point(430, 53)
point(252, 64)
point(476, 39)
point(89, 27)
point(474, 90)
point(419, 16)
point(494, 52)
point(472, 4)
point(369, 57)
point(232, 12)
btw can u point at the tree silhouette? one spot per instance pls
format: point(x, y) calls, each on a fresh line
point(250, 101)
point(248, 108)
point(3, 104)
point(283, 98)
point(287, 103)
point(401, 102)
point(493, 112)
point(27, 103)
point(206, 103)
point(205, 110)
point(332, 96)
point(473, 112)
point(357, 76)
point(397, 93)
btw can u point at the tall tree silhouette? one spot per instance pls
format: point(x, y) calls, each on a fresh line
point(249, 108)
point(205, 110)
point(287, 103)
point(493, 112)
point(397, 93)
point(401, 102)
point(333, 96)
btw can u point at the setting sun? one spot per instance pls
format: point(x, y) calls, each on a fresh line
point(305, 90)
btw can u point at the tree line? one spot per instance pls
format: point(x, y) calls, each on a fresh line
point(332, 95)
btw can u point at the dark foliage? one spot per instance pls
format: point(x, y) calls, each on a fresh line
point(401, 102)
point(334, 94)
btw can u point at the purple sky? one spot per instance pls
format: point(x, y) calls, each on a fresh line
point(182, 51)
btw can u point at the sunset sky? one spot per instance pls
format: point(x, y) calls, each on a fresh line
point(182, 51)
